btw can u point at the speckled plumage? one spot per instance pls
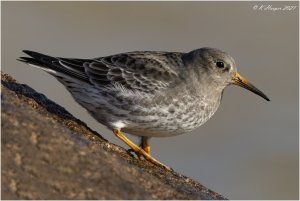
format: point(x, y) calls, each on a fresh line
point(153, 94)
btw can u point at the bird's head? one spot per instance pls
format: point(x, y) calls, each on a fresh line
point(219, 68)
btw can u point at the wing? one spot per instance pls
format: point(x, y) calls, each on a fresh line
point(141, 71)
point(138, 71)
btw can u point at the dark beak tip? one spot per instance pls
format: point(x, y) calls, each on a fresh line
point(264, 97)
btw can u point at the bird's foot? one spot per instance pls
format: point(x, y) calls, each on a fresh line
point(139, 151)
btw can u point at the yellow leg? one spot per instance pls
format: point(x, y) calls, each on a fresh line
point(138, 150)
point(145, 145)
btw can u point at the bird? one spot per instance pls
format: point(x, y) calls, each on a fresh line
point(147, 93)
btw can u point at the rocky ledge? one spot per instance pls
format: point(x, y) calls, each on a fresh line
point(49, 154)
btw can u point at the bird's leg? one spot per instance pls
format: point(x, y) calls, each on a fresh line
point(138, 150)
point(145, 144)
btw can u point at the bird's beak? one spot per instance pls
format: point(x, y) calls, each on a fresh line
point(243, 82)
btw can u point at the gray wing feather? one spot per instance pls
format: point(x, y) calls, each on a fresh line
point(135, 71)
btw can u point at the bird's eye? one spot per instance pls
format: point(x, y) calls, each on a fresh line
point(220, 64)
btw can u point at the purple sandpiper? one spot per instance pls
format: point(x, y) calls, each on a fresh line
point(147, 93)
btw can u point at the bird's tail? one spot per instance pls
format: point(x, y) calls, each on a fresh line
point(58, 67)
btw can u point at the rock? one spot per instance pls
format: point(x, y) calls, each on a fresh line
point(49, 154)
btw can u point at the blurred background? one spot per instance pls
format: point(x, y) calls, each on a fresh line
point(250, 147)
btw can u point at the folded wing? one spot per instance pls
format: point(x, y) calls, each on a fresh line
point(138, 71)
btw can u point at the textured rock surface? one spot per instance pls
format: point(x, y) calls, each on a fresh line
point(49, 154)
